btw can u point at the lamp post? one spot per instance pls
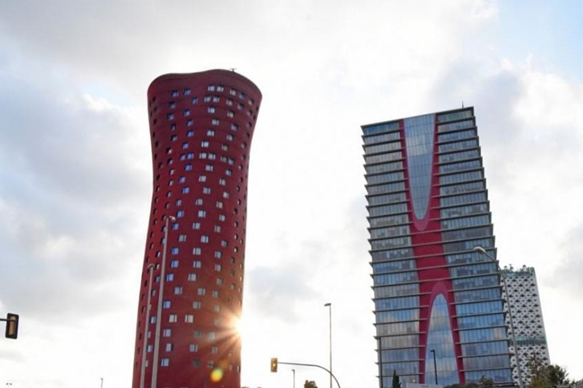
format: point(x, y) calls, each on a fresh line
point(294, 380)
point(380, 360)
point(148, 308)
point(160, 301)
point(434, 366)
point(329, 305)
point(482, 251)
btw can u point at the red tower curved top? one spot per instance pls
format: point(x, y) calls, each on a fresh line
point(201, 126)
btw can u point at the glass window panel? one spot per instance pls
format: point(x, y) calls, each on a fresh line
point(401, 368)
point(384, 167)
point(474, 322)
point(386, 188)
point(472, 269)
point(386, 198)
point(477, 295)
point(387, 209)
point(498, 375)
point(384, 147)
point(393, 266)
point(396, 303)
point(384, 178)
point(486, 334)
point(378, 128)
point(455, 126)
point(397, 316)
point(460, 166)
point(467, 245)
point(458, 145)
point(461, 211)
point(469, 258)
point(456, 223)
point(460, 234)
point(461, 177)
point(391, 355)
point(396, 219)
point(384, 157)
point(457, 156)
point(390, 243)
point(392, 254)
point(475, 282)
point(400, 290)
point(382, 137)
point(397, 328)
point(479, 308)
point(403, 341)
point(458, 115)
point(455, 200)
point(390, 232)
point(486, 362)
point(395, 278)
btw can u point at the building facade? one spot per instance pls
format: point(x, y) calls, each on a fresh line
point(201, 126)
point(439, 312)
point(528, 324)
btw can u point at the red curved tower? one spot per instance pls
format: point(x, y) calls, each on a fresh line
point(201, 126)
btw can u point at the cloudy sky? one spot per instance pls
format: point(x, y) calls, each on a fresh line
point(75, 164)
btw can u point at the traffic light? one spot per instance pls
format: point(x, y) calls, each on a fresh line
point(274, 364)
point(12, 326)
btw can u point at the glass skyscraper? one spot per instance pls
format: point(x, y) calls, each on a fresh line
point(439, 312)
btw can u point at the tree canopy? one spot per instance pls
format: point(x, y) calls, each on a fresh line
point(547, 376)
point(310, 384)
point(396, 380)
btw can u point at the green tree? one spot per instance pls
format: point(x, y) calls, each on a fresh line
point(396, 380)
point(486, 382)
point(467, 385)
point(538, 372)
point(546, 376)
point(558, 376)
point(310, 384)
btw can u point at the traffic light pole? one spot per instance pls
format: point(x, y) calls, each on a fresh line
point(311, 365)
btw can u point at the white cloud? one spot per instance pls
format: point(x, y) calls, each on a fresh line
point(75, 167)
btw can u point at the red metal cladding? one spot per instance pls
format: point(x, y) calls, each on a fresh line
point(432, 269)
point(201, 127)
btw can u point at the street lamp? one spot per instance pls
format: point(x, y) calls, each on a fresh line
point(329, 305)
point(294, 380)
point(380, 360)
point(150, 270)
point(482, 251)
point(160, 301)
point(434, 365)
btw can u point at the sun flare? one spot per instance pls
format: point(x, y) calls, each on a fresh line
point(240, 327)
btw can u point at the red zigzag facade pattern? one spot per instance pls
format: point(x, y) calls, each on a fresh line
point(439, 312)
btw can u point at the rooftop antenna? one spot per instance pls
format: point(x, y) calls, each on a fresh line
point(462, 104)
point(233, 69)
